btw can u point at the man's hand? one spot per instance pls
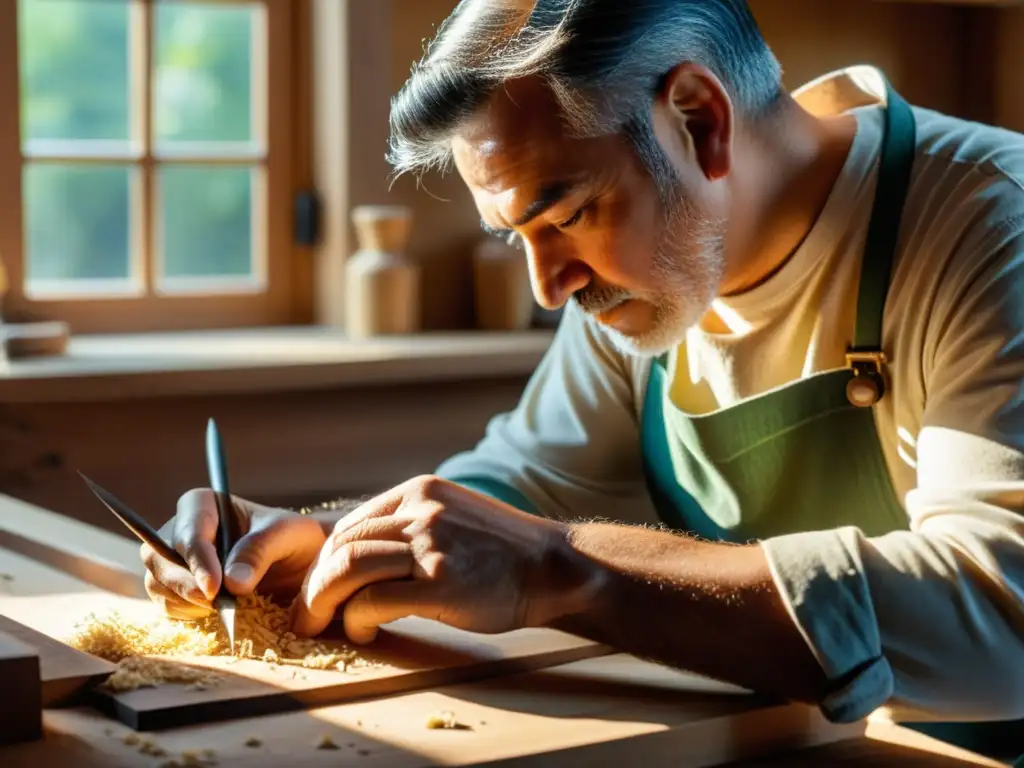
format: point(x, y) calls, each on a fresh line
point(275, 551)
point(433, 549)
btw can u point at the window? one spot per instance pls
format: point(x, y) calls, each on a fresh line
point(145, 162)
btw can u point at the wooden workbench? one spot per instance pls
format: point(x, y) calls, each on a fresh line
point(612, 710)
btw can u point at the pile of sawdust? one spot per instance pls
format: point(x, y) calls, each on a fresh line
point(139, 672)
point(261, 632)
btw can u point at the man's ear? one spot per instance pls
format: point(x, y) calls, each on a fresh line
point(696, 104)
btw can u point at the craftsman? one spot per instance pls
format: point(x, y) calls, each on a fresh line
point(779, 436)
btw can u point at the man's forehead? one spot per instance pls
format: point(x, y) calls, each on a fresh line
point(517, 134)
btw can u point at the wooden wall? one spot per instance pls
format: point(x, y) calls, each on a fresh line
point(288, 449)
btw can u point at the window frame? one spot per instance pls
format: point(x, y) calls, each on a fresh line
point(276, 304)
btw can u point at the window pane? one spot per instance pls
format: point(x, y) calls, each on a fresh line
point(74, 69)
point(206, 221)
point(203, 73)
point(77, 223)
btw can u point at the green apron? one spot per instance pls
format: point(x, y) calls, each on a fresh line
point(804, 456)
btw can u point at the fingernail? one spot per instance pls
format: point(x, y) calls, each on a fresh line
point(206, 583)
point(240, 573)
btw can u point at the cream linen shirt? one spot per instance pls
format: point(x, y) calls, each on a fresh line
point(928, 622)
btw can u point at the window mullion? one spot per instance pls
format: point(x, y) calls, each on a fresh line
point(143, 211)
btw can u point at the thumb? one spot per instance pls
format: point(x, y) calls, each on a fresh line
point(254, 554)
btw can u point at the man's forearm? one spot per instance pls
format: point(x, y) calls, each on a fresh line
point(709, 608)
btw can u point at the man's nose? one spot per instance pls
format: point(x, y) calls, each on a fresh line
point(555, 277)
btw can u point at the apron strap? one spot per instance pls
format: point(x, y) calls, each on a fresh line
point(895, 166)
point(865, 357)
point(896, 163)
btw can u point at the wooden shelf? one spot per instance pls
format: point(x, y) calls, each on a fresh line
point(264, 360)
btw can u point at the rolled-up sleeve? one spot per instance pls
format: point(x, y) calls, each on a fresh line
point(570, 448)
point(929, 623)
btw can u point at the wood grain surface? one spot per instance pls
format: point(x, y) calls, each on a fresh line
point(412, 654)
point(64, 672)
point(610, 710)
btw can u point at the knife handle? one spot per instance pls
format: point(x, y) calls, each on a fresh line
point(217, 468)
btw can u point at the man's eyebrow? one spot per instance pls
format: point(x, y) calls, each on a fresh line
point(550, 194)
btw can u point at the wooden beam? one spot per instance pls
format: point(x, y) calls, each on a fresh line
point(21, 705)
point(95, 556)
point(64, 673)
point(351, 47)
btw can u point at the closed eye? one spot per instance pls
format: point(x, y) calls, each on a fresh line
point(574, 219)
point(577, 217)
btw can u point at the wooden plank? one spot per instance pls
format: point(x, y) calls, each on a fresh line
point(95, 556)
point(576, 710)
point(415, 655)
point(64, 672)
point(412, 654)
point(22, 579)
point(21, 708)
point(395, 737)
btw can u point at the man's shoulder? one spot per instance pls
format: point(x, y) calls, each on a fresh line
point(962, 232)
point(966, 198)
point(956, 149)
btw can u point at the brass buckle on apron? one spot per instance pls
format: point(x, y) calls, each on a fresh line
point(868, 384)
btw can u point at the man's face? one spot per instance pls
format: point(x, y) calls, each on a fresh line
point(591, 219)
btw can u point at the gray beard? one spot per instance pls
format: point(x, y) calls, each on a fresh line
point(690, 273)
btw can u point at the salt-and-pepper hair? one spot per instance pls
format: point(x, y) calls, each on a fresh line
point(604, 61)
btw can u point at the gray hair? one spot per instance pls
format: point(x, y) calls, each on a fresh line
point(604, 61)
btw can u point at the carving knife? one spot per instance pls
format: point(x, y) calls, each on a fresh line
point(227, 523)
point(136, 524)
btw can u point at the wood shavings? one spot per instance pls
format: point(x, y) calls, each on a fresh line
point(137, 672)
point(151, 748)
point(338, 661)
point(117, 636)
point(326, 742)
point(131, 739)
point(446, 720)
point(262, 628)
point(190, 759)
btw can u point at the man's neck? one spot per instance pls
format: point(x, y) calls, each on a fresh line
point(788, 168)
